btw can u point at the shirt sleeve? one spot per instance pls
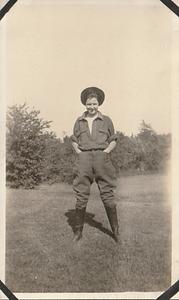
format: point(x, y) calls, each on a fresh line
point(76, 132)
point(112, 134)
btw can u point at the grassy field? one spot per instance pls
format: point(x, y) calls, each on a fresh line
point(41, 257)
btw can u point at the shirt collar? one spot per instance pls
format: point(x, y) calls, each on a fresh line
point(99, 116)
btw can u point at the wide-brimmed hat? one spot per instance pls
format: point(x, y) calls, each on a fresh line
point(92, 91)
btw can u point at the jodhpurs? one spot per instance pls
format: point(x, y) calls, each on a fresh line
point(94, 165)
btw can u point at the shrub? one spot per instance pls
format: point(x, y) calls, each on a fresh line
point(25, 146)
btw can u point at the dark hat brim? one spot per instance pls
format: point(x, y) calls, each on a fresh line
point(92, 90)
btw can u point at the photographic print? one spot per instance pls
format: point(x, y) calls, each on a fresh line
point(88, 100)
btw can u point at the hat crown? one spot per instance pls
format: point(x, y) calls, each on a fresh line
point(90, 91)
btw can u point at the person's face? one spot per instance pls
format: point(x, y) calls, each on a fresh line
point(92, 106)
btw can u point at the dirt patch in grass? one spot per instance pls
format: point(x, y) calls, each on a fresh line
point(40, 255)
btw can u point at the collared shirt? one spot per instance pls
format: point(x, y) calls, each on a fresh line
point(90, 122)
point(100, 137)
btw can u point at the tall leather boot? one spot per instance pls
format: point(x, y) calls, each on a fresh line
point(113, 220)
point(80, 217)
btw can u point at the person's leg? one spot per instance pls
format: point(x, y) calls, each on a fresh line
point(81, 186)
point(105, 177)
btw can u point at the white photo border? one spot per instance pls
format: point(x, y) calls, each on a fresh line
point(175, 161)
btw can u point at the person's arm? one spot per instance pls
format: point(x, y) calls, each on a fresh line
point(75, 146)
point(74, 137)
point(112, 137)
point(110, 147)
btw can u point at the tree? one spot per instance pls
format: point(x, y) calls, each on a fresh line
point(35, 154)
point(123, 156)
point(26, 134)
point(145, 152)
point(58, 162)
point(151, 152)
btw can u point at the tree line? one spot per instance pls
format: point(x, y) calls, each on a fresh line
point(36, 155)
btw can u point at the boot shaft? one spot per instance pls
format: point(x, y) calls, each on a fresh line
point(79, 223)
point(113, 220)
point(112, 217)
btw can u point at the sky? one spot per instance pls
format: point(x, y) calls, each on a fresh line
point(55, 49)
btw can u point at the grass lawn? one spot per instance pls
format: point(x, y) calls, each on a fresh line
point(41, 257)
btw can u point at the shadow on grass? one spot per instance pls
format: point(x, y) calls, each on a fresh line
point(89, 219)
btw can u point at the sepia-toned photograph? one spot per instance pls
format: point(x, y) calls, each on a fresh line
point(87, 89)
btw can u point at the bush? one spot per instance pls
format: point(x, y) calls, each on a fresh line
point(35, 154)
point(26, 134)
